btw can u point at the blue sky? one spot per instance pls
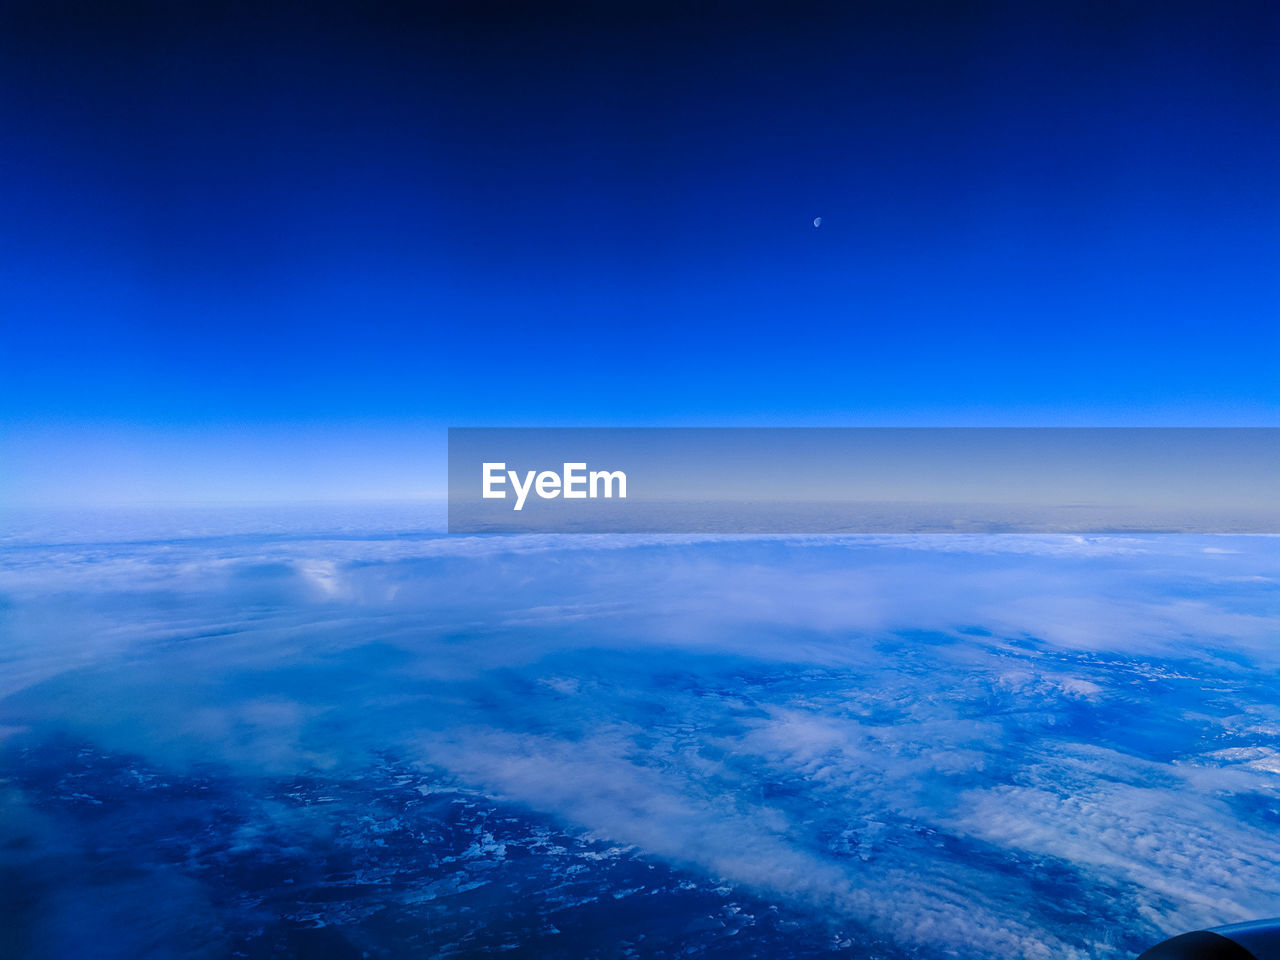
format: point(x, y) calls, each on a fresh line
point(257, 255)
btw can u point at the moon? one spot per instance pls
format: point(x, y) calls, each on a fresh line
point(817, 221)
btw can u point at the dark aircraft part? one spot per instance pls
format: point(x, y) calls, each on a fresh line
point(1257, 940)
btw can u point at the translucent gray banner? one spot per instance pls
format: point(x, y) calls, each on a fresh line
point(864, 480)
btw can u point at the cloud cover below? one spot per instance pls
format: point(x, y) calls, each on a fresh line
point(1030, 745)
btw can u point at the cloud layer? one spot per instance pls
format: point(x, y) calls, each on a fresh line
point(1037, 746)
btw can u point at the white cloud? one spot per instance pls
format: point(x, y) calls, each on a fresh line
point(887, 729)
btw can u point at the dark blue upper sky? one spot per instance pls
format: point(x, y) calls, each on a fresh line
point(221, 220)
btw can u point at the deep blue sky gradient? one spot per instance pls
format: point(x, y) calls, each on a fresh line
point(232, 232)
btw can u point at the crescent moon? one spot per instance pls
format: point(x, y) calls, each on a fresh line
point(817, 221)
